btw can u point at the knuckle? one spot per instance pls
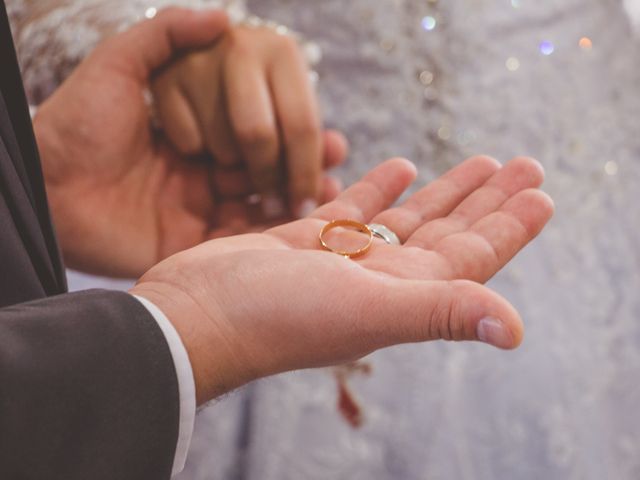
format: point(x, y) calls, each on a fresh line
point(168, 14)
point(257, 136)
point(241, 48)
point(306, 128)
point(446, 319)
point(242, 41)
point(287, 44)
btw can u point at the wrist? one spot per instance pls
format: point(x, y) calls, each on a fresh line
point(209, 348)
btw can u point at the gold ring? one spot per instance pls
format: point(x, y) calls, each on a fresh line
point(361, 227)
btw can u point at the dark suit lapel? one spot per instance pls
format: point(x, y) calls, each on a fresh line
point(23, 183)
point(26, 221)
point(11, 144)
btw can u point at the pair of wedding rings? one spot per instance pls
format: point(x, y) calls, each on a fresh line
point(372, 230)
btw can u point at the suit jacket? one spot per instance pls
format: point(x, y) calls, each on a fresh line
point(88, 389)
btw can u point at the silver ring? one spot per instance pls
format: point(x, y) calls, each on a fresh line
point(384, 233)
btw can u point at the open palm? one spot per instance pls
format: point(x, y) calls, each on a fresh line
point(275, 301)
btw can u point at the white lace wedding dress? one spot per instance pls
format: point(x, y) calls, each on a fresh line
point(436, 81)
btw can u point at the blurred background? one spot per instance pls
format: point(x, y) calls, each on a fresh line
point(437, 81)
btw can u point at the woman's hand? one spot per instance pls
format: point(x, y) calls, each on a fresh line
point(247, 100)
point(254, 305)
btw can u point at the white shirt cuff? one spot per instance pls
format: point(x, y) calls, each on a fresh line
point(186, 384)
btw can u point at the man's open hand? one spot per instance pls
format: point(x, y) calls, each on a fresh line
point(259, 304)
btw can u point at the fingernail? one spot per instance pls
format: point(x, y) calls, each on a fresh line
point(493, 332)
point(307, 207)
point(272, 206)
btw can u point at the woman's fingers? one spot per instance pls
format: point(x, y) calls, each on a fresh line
point(248, 102)
point(177, 119)
point(299, 120)
point(253, 120)
point(232, 184)
point(439, 197)
point(210, 105)
point(515, 176)
point(236, 185)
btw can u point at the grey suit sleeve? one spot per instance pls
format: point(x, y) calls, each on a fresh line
point(88, 390)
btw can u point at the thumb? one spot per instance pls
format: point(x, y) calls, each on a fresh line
point(417, 311)
point(150, 44)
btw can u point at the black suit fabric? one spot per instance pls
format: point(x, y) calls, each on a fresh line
point(88, 389)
